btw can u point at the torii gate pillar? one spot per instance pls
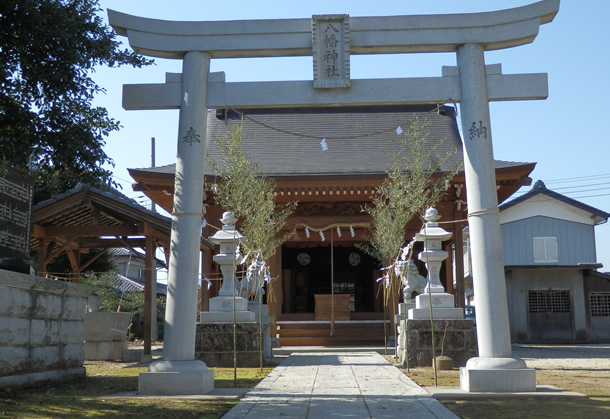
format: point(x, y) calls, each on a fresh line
point(179, 372)
point(494, 369)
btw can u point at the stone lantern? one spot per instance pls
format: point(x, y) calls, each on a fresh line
point(228, 300)
point(443, 307)
point(433, 255)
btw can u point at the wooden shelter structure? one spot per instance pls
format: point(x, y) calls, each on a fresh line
point(332, 186)
point(86, 218)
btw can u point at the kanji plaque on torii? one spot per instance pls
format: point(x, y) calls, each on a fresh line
point(330, 41)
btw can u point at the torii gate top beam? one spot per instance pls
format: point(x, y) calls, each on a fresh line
point(368, 35)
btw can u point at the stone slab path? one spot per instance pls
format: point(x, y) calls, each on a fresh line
point(342, 384)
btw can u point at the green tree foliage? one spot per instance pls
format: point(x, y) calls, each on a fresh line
point(48, 50)
point(250, 195)
point(413, 183)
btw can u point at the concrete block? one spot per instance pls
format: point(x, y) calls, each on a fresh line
point(44, 358)
point(105, 351)
point(226, 316)
point(14, 331)
point(13, 360)
point(47, 305)
point(74, 355)
point(498, 380)
point(174, 378)
point(72, 332)
point(74, 309)
point(25, 380)
point(14, 302)
point(106, 326)
point(437, 313)
point(44, 332)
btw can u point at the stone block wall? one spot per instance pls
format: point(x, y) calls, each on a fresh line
point(41, 329)
point(460, 341)
point(214, 344)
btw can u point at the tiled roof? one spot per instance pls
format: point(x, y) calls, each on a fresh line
point(286, 142)
point(540, 188)
point(124, 285)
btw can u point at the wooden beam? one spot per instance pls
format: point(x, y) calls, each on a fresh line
point(158, 235)
point(89, 231)
point(93, 259)
point(109, 243)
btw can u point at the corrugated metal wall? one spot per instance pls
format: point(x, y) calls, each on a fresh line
point(575, 241)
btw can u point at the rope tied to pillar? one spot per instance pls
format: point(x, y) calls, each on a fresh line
point(197, 214)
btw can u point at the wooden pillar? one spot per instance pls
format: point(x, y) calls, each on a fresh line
point(42, 257)
point(459, 260)
point(274, 295)
point(449, 269)
point(149, 293)
point(74, 257)
point(206, 267)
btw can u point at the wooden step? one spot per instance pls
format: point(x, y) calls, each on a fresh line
point(317, 333)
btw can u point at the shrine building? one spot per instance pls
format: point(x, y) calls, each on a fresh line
point(332, 182)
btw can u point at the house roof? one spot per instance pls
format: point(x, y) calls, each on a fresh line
point(540, 188)
point(128, 253)
point(286, 142)
point(124, 285)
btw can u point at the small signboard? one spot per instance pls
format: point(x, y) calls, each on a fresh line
point(15, 213)
point(330, 39)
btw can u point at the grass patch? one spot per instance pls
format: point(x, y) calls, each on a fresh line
point(85, 398)
point(593, 383)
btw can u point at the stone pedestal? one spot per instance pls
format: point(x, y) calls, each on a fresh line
point(176, 378)
point(214, 344)
point(460, 341)
point(500, 375)
point(442, 307)
point(221, 310)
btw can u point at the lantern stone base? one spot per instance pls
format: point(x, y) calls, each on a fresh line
point(173, 378)
point(498, 375)
point(226, 316)
point(437, 314)
point(221, 310)
point(438, 299)
point(215, 344)
point(415, 341)
point(223, 303)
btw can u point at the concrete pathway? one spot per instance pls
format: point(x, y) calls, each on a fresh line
point(341, 384)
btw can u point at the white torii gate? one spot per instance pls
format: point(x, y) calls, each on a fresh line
point(331, 39)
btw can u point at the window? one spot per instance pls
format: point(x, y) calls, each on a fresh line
point(600, 304)
point(545, 250)
point(549, 301)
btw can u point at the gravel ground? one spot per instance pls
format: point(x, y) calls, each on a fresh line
point(565, 357)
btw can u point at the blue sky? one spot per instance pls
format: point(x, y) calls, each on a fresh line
point(564, 134)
